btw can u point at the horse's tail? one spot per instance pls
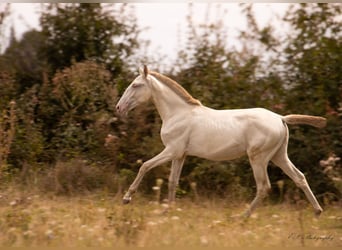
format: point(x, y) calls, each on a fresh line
point(316, 121)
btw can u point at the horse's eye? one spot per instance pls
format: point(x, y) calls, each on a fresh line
point(137, 85)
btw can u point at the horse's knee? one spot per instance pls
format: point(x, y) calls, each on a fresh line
point(143, 169)
point(263, 193)
point(300, 181)
point(172, 183)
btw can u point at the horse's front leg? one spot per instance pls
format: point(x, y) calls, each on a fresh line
point(165, 156)
point(176, 170)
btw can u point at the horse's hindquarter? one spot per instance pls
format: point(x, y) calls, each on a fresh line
point(229, 134)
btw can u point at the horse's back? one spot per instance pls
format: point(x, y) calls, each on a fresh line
point(229, 134)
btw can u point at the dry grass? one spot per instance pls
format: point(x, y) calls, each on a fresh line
point(29, 219)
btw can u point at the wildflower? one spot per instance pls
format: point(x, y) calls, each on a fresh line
point(28, 233)
point(159, 182)
point(13, 203)
point(193, 185)
point(247, 233)
point(101, 210)
point(162, 221)
point(254, 216)
point(49, 233)
point(215, 222)
point(204, 240)
point(151, 223)
point(109, 139)
point(174, 217)
point(164, 205)
point(156, 188)
point(157, 211)
point(52, 223)
point(140, 161)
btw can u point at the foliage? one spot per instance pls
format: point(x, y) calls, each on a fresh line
point(75, 107)
point(313, 64)
point(8, 89)
point(28, 144)
point(75, 177)
point(7, 132)
point(80, 31)
point(23, 59)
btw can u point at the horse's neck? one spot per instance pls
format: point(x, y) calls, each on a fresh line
point(167, 102)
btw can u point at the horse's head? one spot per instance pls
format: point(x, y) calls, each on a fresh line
point(137, 92)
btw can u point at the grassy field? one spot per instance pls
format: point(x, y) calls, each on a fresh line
point(31, 219)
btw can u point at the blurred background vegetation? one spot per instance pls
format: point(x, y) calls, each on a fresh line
point(58, 127)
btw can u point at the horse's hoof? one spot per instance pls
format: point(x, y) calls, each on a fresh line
point(126, 200)
point(318, 212)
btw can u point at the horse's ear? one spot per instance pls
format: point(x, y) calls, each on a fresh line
point(145, 71)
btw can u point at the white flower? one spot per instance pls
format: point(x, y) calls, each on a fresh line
point(174, 217)
point(49, 233)
point(215, 222)
point(204, 240)
point(159, 182)
point(164, 205)
point(151, 223)
point(13, 203)
point(101, 210)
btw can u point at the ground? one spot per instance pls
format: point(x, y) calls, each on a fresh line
point(99, 219)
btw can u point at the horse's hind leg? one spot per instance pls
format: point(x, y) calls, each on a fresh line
point(259, 166)
point(281, 159)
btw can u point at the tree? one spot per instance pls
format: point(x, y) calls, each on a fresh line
point(23, 59)
point(313, 79)
point(4, 12)
point(80, 31)
point(313, 57)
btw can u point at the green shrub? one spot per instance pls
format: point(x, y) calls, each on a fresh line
point(77, 176)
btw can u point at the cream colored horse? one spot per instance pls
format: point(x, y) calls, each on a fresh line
point(189, 128)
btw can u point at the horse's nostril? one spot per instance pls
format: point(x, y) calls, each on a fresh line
point(117, 107)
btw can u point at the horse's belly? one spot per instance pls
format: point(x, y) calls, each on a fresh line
point(216, 148)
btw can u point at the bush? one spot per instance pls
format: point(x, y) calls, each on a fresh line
point(218, 179)
point(77, 176)
point(74, 107)
point(7, 132)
